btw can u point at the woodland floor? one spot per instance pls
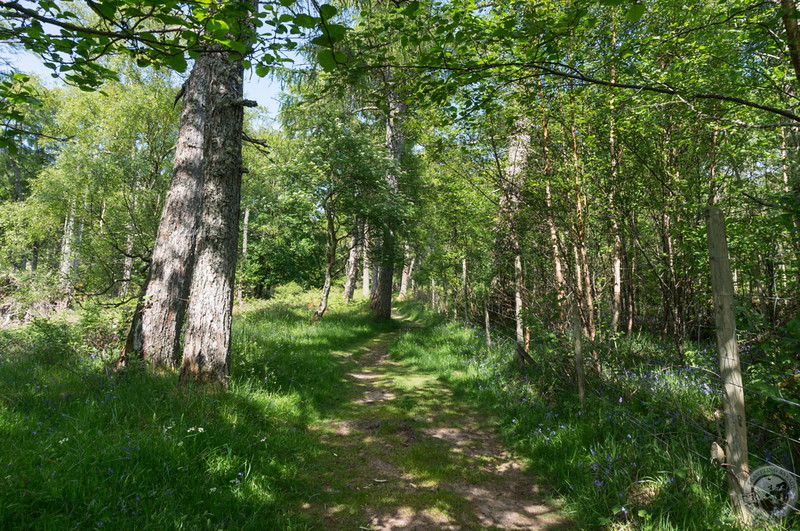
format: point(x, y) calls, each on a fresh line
point(403, 453)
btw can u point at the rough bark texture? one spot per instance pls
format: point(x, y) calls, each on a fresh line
point(381, 302)
point(206, 352)
point(155, 330)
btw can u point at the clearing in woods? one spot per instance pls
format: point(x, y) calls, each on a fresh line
point(403, 453)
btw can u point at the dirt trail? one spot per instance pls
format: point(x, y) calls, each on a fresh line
point(404, 454)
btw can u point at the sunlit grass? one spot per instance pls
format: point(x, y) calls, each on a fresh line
point(82, 446)
point(621, 462)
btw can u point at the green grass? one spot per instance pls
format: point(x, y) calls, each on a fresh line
point(83, 447)
point(619, 463)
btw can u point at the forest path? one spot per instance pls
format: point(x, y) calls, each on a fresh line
point(403, 453)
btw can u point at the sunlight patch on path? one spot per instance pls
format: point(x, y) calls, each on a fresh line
point(404, 453)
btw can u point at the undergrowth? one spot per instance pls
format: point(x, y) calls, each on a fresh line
point(634, 457)
point(85, 447)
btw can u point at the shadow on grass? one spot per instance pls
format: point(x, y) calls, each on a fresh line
point(81, 447)
point(603, 460)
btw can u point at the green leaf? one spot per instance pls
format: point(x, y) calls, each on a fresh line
point(177, 62)
point(411, 9)
point(237, 46)
point(218, 27)
point(326, 60)
point(107, 10)
point(336, 32)
point(327, 11)
point(635, 12)
point(305, 21)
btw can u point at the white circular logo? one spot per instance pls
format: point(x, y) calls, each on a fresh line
point(771, 493)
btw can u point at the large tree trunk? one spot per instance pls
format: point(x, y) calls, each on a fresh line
point(330, 261)
point(206, 352)
point(381, 303)
point(155, 330)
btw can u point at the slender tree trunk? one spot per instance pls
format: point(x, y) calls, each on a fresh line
point(558, 273)
point(245, 240)
point(465, 287)
point(614, 155)
point(330, 261)
point(487, 322)
point(584, 285)
point(577, 332)
point(408, 270)
point(365, 265)
point(34, 262)
point(729, 367)
point(789, 15)
point(65, 277)
point(630, 294)
point(155, 330)
point(351, 268)
point(206, 352)
point(127, 263)
point(19, 189)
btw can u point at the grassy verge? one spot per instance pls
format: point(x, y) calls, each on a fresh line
point(82, 447)
point(625, 461)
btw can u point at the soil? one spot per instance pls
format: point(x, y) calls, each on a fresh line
point(403, 453)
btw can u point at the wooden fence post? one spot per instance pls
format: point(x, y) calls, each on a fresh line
point(729, 369)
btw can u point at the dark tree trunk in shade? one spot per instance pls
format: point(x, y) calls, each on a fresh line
point(155, 330)
point(206, 351)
